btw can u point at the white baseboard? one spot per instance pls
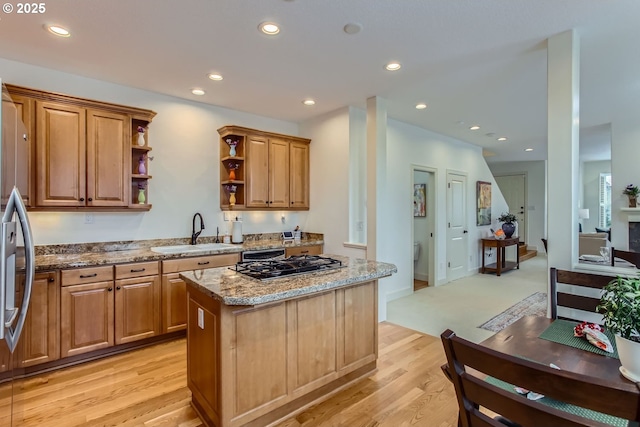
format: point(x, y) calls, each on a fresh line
point(399, 293)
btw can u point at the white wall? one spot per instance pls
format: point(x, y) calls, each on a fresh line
point(185, 166)
point(536, 196)
point(409, 145)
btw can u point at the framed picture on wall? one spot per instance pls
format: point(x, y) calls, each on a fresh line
point(420, 200)
point(483, 214)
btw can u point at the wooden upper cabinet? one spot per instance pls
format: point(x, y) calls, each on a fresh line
point(299, 173)
point(257, 171)
point(17, 159)
point(278, 173)
point(108, 159)
point(276, 170)
point(60, 155)
point(81, 153)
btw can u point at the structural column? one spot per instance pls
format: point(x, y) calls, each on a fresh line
point(563, 100)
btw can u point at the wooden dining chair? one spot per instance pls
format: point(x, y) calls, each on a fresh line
point(632, 257)
point(483, 378)
point(583, 284)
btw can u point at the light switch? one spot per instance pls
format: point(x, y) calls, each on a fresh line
point(200, 318)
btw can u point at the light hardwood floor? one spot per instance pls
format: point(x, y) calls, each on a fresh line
point(148, 388)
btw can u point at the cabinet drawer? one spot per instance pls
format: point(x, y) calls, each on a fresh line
point(198, 263)
point(304, 250)
point(138, 269)
point(80, 276)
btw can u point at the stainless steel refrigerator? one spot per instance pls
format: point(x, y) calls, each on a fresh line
point(17, 256)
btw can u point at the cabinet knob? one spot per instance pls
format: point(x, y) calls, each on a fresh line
point(82, 199)
point(90, 199)
point(291, 202)
point(110, 289)
point(51, 279)
point(118, 288)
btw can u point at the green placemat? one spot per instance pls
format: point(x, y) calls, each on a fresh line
point(561, 331)
point(571, 409)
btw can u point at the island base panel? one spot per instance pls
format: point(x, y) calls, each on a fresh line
point(298, 405)
point(242, 391)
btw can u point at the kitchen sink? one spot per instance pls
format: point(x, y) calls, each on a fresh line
point(181, 249)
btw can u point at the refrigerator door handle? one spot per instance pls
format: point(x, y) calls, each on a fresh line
point(8, 309)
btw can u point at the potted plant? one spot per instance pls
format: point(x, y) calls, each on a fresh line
point(620, 308)
point(508, 225)
point(632, 192)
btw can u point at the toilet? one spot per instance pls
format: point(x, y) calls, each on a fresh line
point(416, 250)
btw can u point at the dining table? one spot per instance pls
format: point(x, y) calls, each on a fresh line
point(522, 339)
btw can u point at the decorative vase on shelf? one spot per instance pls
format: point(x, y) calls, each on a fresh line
point(632, 202)
point(141, 197)
point(142, 170)
point(232, 174)
point(141, 139)
point(232, 150)
point(232, 199)
point(509, 228)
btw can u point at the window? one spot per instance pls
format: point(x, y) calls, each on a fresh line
point(604, 196)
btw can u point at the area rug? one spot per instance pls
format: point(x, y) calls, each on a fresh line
point(533, 305)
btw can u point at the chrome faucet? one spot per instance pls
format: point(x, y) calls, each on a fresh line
point(194, 234)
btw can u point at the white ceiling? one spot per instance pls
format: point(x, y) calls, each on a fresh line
point(472, 61)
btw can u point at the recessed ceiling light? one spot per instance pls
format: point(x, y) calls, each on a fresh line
point(502, 138)
point(528, 149)
point(393, 66)
point(474, 127)
point(352, 28)
point(58, 30)
point(309, 102)
point(421, 106)
point(269, 28)
point(197, 91)
point(215, 76)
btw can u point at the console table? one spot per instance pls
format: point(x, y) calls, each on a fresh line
point(501, 263)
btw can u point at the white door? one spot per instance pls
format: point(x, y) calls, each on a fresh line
point(513, 188)
point(457, 241)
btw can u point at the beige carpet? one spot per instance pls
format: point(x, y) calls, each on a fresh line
point(464, 304)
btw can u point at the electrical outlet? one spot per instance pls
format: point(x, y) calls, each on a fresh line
point(283, 219)
point(360, 225)
point(226, 216)
point(200, 318)
point(88, 218)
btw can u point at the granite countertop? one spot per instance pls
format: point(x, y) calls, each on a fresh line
point(234, 288)
point(96, 254)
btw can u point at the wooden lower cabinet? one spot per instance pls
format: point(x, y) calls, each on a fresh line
point(40, 340)
point(174, 289)
point(137, 308)
point(86, 318)
point(255, 364)
point(5, 357)
point(123, 307)
point(174, 303)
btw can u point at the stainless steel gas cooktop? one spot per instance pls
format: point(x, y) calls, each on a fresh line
point(272, 269)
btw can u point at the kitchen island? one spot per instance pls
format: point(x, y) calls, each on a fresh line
point(258, 351)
